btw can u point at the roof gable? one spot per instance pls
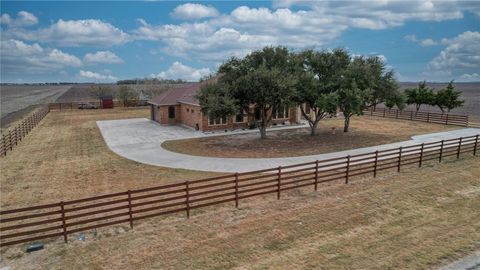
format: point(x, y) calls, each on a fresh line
point(183, 94)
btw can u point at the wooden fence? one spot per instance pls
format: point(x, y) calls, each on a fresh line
point(429, 117)
point(62, 106)
point(68, 217)
point(13, 136)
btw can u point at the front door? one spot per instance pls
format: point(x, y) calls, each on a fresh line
point(171, 115)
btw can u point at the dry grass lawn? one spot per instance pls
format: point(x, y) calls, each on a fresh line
point(417, 219)
point(364, 131)
point(65, 157)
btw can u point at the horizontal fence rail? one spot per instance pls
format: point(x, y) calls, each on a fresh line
point(68, 217)
point(429, 117)
point(62, 106)
point(13, 136)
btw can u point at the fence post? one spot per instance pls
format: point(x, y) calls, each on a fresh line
point(459, 146)
point(348, 169)
point(396, 114)
point(4, 146)
point(130, 208)
point(399, 158)
point(316, 175)
point(187, 200)
point(64, 224)
point(384, 110)
point(10, 140)
point(411, 115)
point(279, 181)
point(421, 156)
point(236, 190)
point(446, 120)
point(428, 117)
point(441, 152)
point(375, 164)
point(16, 135)
point(475, 147)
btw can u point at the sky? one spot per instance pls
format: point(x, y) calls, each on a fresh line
point(109, 41)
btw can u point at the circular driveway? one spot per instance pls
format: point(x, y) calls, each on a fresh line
point(140, 140)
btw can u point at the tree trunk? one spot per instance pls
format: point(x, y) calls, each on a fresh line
point(263, 124)
point(263, 131)
point(347, 123)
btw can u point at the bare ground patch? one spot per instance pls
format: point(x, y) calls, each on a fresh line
point(364, 131)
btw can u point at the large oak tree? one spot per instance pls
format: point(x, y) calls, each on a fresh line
point(261, 82)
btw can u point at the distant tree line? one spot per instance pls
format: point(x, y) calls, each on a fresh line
point(445, 99)
point(151, 81)
point(275, 78)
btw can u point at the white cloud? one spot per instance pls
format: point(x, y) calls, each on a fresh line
point(428, 42)
point(411, 38)
point(180, 71)
point(312, 24)
point(462, 52)
point(5, 19)
point(20, 57)
point(474, 77)
point(102, 57)
point(23, 18)
point(422, 42)
point(73, 33)
point(190, 11)
point(96, 76)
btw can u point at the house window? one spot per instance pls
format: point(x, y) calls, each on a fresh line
point(240, 118)
point(171, 112)
point(188, 109)
point(193, 111)
point(281, 113)
point(217, 121)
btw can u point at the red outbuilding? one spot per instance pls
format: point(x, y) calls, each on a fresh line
point(106, 102)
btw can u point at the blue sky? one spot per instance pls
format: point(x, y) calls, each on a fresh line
point(107, 41)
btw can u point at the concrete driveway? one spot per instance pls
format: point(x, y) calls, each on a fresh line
point(140, 140)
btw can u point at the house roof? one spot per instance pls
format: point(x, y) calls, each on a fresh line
point(182, 94)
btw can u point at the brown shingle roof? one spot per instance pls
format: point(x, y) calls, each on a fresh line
point(177, 95)
point(183, 94)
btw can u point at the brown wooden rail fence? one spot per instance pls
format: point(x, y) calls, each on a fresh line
point(13, 136)
point(429, 117)
point(65, 106)
point(68, 217)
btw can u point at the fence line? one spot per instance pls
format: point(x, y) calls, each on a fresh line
point(429, 117)
point(61, 106)
point(13, 136)
point(67, 217)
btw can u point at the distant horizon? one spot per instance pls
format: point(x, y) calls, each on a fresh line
point(67, 83)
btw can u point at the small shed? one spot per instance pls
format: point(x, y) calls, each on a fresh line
point(106, 102)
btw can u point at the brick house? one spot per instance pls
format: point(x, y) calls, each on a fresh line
point(178, 106)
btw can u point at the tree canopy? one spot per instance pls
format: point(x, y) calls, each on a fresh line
point(448, 98)
point(274, 78)
point(420, 95)
point(262, 80)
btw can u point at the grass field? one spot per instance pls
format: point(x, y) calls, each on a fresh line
point(417, 219)
point(65, 157)
point(364, 131)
